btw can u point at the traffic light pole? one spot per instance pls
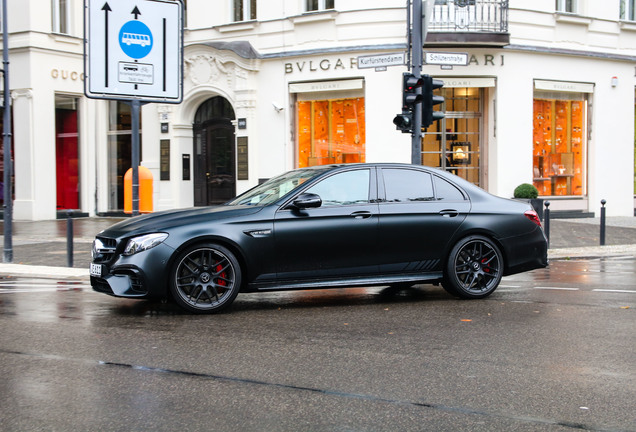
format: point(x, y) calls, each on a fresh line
point(417, 59)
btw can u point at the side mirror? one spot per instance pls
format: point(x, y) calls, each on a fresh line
point(307, 200)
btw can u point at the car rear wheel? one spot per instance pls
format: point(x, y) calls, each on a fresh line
point(474, 268)
point(205, 279)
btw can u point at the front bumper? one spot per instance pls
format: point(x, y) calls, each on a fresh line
point(123, 283)
point(142, 275)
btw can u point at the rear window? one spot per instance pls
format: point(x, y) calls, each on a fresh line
point(405, 185)
point(445, 191)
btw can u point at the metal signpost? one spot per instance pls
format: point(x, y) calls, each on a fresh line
point(417, 42)
point(6, 141)
point(133, 51)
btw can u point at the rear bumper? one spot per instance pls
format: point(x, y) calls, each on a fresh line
point(525, 252)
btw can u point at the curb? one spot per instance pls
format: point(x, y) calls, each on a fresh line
point(593, 252)
point(21, 270)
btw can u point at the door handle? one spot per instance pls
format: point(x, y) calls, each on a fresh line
point(361, 215)
point(449, 213)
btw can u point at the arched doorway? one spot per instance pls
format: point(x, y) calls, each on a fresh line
point(214, 152)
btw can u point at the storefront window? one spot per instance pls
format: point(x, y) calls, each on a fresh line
point(119, 151)
point(67, 152)
point(331, 131)
point(453, 143)
point(559, 151)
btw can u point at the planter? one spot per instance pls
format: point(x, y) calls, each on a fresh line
point(537, 204)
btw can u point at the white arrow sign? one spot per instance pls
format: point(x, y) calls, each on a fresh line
point(134, 50)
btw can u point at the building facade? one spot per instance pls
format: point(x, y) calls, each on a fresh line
point(547, 97)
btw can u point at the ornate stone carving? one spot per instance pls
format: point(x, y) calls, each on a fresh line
point(204, 68)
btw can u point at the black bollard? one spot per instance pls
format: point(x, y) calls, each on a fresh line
point(546, 221)
point(603, 202)
point(69, 238)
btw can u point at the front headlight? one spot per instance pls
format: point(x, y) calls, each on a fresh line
point(144, 242)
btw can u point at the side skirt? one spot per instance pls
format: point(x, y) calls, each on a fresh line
point(347, 282)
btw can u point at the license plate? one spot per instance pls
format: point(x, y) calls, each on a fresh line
point(96, 270)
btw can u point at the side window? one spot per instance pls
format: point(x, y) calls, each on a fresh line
point(445, 191)
point(346, 188)
point(406, 185)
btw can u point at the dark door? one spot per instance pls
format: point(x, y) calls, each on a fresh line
point(337, 239)
point(214, 153)
point(417, 221)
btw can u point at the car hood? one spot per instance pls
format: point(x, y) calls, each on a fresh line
point(163, 221)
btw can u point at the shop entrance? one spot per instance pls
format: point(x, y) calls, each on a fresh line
point(454, 143)
point(66, 152)
point(214, 150)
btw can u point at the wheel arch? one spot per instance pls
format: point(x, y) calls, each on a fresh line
point(208, 239)
point(477, 232)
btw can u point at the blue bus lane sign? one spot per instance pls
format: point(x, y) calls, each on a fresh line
point(134, 50)
point(135, 39)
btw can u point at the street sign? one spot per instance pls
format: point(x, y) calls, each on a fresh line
point(447, 59)
point(134, 50)
point(381, 60)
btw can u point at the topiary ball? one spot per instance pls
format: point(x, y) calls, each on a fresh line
point(526, 190)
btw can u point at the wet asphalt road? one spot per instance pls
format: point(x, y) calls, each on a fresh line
point(551, 350)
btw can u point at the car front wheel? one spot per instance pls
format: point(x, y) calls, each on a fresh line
point(205, 279)
point(474, 268)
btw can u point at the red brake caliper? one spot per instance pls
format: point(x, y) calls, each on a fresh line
point(221, 281)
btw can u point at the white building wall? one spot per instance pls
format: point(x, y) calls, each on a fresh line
point(590, 47)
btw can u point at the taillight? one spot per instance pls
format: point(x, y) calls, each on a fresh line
point(533, 216)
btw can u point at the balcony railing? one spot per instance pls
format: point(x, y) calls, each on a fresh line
point(468, 16)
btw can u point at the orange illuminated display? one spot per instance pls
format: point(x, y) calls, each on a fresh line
point(331, 131)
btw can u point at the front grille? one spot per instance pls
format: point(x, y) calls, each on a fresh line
point(104, 249)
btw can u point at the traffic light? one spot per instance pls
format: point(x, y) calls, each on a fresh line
point(410, 98)
point(429, 100)
point(404, 122)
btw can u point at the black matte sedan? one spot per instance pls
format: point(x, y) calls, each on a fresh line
point(324, 227)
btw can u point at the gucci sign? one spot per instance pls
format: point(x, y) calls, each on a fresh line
point(65, 74)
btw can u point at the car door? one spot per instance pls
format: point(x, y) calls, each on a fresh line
point(337, 239)
point(417, 219)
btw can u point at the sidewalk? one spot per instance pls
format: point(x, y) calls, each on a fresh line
point(40, 248)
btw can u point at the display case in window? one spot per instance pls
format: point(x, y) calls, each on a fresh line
point(558, 147)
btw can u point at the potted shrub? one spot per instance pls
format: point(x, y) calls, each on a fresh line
point(529, 192)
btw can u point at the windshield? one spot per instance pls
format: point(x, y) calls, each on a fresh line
point(275, 188)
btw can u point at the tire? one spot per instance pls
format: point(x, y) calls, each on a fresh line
point(205, 279)
point(474, 268)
